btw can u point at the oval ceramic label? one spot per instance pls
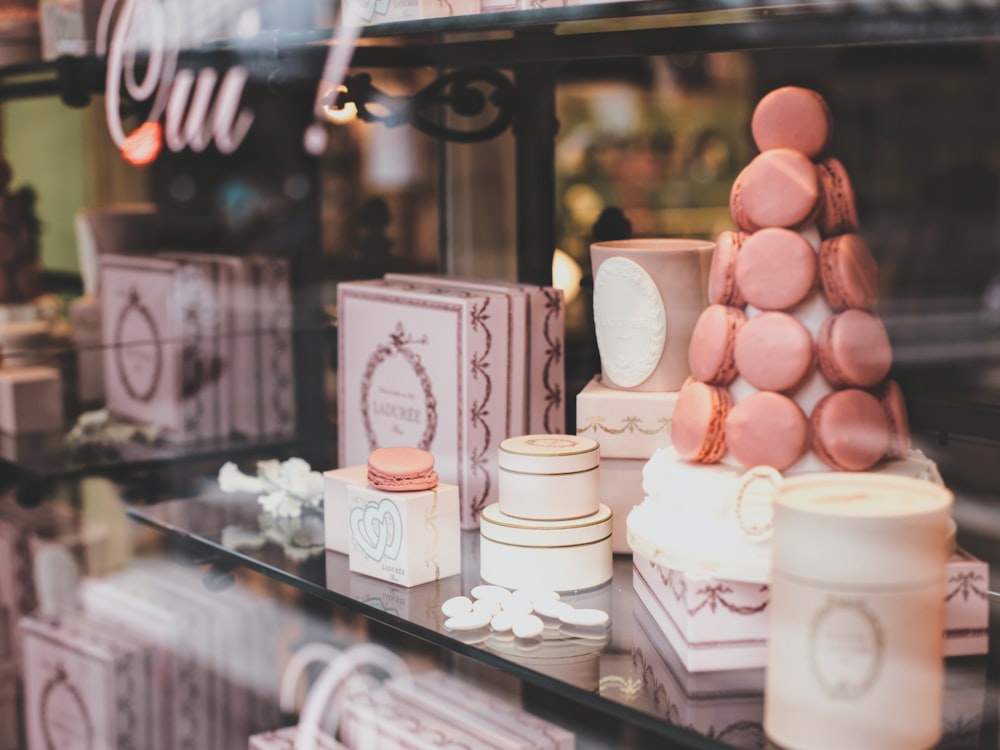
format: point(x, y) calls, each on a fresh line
point(755, 502)
point(630, 321)
point(846, 647)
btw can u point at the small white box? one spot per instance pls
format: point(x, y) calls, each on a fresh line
point(335, 513)
point(627, 424)
point(407, 538)
point(31, 400)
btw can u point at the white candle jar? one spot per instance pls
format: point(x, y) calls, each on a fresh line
point(549, 477)
point(855, 657)
point(566, 555)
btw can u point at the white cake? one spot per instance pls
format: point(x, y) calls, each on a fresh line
point(715, 519)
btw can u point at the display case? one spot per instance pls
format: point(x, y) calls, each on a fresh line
point(199, 196)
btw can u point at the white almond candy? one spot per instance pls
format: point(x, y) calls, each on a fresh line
point(537, 596)
point(585, 618)
point(487, 591)
point(518, 605)
point(528, 626)
point(468, 621)
point(552, 608)
point(457, 605)
point(486, 606)
point(504, 621)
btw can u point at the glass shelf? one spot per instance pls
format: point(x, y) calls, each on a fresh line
point(629, 672)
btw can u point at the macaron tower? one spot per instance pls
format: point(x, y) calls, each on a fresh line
point(788, 362)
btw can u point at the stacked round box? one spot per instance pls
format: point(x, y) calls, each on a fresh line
point(549, 529)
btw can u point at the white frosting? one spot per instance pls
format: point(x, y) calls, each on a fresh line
point(688, 520)
point(629, 320)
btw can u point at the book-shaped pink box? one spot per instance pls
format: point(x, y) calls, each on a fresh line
point(425, 368)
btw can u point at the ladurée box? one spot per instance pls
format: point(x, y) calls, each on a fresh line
point(425, 368)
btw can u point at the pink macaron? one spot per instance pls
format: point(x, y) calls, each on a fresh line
point(792, 117)
point(697, 428)
point(779, 188)
point(890, 396)
point(848, 273)
point(722, 288)
point(774, 352)
point(401, 469)
point(713, 340)
point(776, 269)
point(767, 429)
point(850, 431)
point(853, 350)
point(838, 213)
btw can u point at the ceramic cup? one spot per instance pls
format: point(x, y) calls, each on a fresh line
point(648, 294)
point(856, 647)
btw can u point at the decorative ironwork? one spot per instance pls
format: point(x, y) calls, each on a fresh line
point(468, 93)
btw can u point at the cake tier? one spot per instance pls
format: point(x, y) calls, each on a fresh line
point(714, 520)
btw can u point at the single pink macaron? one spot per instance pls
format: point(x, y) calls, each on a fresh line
point(779, 188)
point(722, 288)
point(850, 431)
point(838, 213)
point(853, 349)
point(697, 428)
point(401, 469)
point(776, 269)
point(792, 117)
point(767, 429)
point(774, 352)
point(848, 273)
point(710, 353)
point(891, 397)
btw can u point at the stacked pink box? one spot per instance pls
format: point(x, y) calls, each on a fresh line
point(648, 295)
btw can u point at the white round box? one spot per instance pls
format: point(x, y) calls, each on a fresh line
point(549, 477)
point(566, 555)
point(856, 656)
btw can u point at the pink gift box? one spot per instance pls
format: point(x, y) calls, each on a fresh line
point(627, 424)
point(84, 686)
point(10, 707)
point(31, 400)
point(158, 319)
point(85, 317)
point(425, 368)
point(537, 340)
point(714, 624)
point(270, 401)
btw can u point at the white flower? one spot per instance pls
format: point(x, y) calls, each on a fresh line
point(231, 479)
point(279, 504)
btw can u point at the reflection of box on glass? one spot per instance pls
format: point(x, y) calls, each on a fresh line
point(384, 11)
point(284, 739)
point(31, 400)
point(68, 27)
point(421, 605)
point(335, 512)
point(425, 369)
point(627, 424)
point(84, 686)
point(715, 624)
point(405, 537)
point(156, 316)
point(726, 704)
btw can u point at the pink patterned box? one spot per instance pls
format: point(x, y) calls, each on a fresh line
point(269, 310)
point(537, 341)
point(627, 424)
point(714, 624)
point(158, 321)
point(10, 707)
point(85, 686)
point(425, 368)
